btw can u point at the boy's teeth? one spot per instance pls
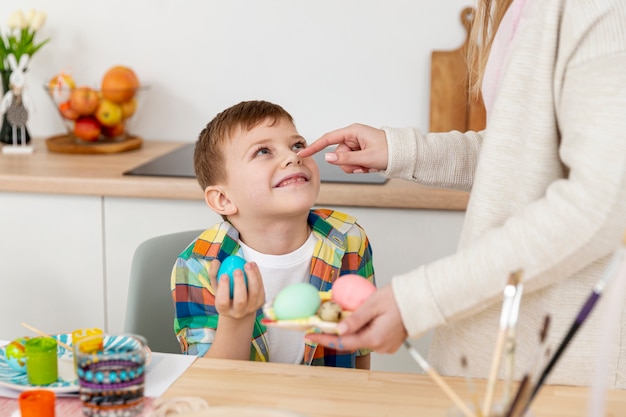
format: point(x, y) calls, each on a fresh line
point(291, 181)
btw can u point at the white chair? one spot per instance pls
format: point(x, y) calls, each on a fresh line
point(150, 309)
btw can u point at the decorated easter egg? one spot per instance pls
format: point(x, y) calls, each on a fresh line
point(349, 291)
point(15, 353)
point(229, 266)
point(296, 301)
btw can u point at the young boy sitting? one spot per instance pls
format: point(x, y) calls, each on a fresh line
point(246, 162)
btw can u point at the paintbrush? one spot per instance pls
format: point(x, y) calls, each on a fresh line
point(583, 314)
point(540, 352)
point(434, 375)
point(608, 333)
point(508, 305)
point(40, 333)
point(517, 405)
point(470, 387)
point(510, 342)
point(523, 392)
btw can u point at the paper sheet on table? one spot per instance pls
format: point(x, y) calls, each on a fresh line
point(163, 370)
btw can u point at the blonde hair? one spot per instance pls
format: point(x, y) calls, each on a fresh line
point(489, 14)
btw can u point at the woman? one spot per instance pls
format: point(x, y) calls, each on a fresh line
point(548, 192)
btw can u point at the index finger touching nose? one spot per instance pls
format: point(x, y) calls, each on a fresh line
point(318, 145)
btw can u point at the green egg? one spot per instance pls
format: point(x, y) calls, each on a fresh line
point(297, 301)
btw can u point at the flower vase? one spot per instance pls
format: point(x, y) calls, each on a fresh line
point(6, 132)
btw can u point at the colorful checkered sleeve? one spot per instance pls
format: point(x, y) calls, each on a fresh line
point(195, 319)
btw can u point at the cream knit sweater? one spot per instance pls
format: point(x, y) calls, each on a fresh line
point(548, 195)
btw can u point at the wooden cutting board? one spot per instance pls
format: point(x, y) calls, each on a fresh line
point(67, 144)
point(451, 107)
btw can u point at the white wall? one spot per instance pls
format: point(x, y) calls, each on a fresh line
point(328, 62)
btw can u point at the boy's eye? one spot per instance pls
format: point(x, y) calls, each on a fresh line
point(262, 151)
point(299, 146)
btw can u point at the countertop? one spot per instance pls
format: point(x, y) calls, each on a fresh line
point(102, 174)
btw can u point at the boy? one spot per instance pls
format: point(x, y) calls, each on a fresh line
point(246, 162)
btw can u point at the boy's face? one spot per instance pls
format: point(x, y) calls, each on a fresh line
point(265, 176)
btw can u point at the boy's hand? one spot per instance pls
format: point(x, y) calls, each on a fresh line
point(245, 302)
point(237, 315)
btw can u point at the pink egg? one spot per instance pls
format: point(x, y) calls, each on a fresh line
point(349, 291)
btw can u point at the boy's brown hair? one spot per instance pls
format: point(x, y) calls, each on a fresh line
point(208, 159)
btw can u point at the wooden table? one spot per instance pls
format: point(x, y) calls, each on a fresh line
point(328, 392)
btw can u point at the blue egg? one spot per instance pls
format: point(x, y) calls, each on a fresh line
point(230, 265)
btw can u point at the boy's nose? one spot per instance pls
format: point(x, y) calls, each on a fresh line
point(293, 158)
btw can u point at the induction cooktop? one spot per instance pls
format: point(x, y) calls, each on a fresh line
point(179, 163)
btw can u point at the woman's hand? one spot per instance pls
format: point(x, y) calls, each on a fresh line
point(245, 302)
point(376, 324)
point(360, 148)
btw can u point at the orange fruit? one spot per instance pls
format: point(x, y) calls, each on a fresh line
point(119, 84)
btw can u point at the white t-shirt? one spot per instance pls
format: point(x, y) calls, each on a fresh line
point(279, 271)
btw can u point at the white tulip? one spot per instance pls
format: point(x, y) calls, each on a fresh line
point(38, 20)
point(30, 14)
point(17, 20)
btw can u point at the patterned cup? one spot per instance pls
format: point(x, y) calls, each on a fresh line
point(111, 379)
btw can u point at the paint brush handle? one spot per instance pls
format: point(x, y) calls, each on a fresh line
point(41, 333)
point(434, 375)
point(586, 310)
point(517, 401)
point(582, 315)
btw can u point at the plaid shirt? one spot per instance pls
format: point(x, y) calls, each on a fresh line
point(342, 248)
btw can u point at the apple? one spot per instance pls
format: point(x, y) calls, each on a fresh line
point(108, 113)
point(119, 84)
point(67, 111)
point(128, 108)
point(84, 100)
point(87, 128)
point(15, 353)
point(60, 87)
point(114, 131)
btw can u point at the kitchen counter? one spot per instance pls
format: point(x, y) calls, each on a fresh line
point(102, 174)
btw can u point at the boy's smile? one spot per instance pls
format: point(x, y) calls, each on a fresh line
point(293, 179)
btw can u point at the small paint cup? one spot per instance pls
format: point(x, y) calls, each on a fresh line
point(79, 335)
point(41, 361)
point(37, 403)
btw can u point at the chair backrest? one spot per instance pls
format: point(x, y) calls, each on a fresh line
point(150, 309)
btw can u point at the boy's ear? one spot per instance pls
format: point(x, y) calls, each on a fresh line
point(217, 200)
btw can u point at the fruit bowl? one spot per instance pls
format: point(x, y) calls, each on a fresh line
point(97, 114)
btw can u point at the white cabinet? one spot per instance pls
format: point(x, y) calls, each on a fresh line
point(51, 263)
